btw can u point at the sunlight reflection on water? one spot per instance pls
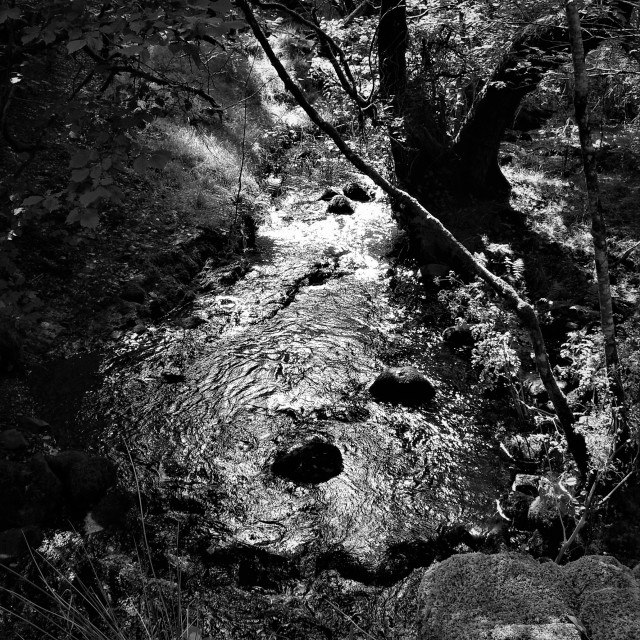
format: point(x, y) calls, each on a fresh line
point(296, 361)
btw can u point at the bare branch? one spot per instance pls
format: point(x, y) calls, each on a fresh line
point(425, 227)
point(114, 69)
point(342, 68)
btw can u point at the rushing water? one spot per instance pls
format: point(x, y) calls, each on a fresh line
point(288, 352)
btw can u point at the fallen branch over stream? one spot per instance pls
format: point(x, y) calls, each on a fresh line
point(423, 226)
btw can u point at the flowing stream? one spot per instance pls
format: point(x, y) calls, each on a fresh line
point(285, 353)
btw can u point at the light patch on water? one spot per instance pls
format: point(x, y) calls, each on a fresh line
point(294, 355)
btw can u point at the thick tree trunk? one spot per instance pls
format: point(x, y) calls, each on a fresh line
point(424, 162)
point(598, 224)
point(425, 227)
point(539, 48)
point(393, 39)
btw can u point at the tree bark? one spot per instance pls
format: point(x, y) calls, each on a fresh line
point(424, 162)
point(424, 227)
point(538, 49)
point(598, 224)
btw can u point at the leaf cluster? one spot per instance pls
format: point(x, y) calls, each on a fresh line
point(119, 82)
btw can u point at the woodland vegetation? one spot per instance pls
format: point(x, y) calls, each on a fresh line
point(444, 106)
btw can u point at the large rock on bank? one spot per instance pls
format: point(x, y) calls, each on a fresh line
point(608, 596)
point(473, 595)
point(511, 596)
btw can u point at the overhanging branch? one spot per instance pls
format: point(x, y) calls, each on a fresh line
point(422, 224)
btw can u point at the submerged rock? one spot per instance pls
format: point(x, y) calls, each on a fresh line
point(402, 385)
point(85, 478)
point(356, 192)
point(340, 204)
point(314, 462)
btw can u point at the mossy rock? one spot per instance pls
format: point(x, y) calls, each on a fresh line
point(608, 596)
point(340, 204)
point(553, 631)
point(611, 614)
point(133, 292)
point(516, 508)
point(473, 595)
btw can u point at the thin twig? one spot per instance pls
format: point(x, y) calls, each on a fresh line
point(617, 486)
point(349, 618)
point(583, 521)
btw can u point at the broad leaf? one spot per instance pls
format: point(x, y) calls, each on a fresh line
point(31, 200)
point(91, 196)
point(74, 216)
point(51, 203)
point(89, 219)
point(78, 175)
point(80, 159)
point(76, 45)
point(13, 13)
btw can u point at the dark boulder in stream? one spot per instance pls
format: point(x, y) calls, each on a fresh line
point(340, 204)
point(314, 462)
point(402, 385)
point(356, 192)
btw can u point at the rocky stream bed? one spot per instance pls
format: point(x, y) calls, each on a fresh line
point(249, 451)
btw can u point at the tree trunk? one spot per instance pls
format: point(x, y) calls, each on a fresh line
point(424, 162)
point(598, 225)
point(538, 49)
point(424, 227)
